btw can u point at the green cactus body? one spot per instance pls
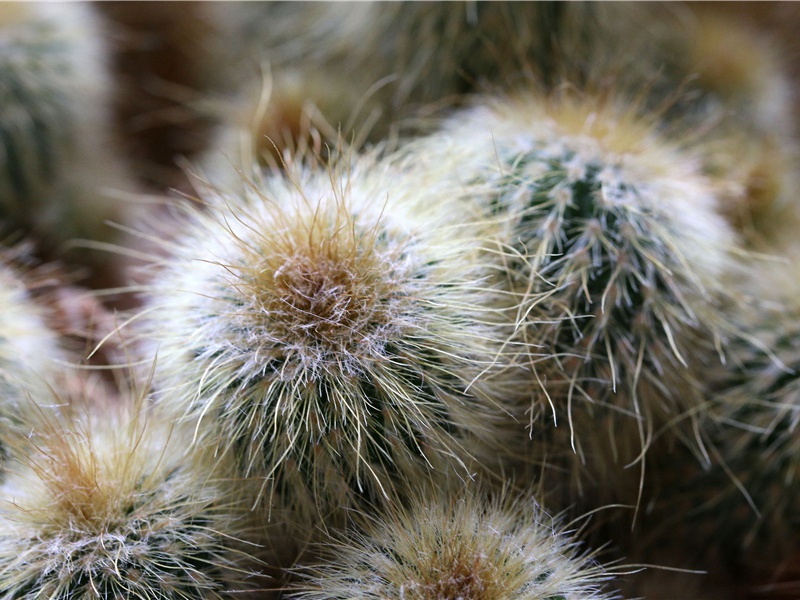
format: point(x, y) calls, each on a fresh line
point(115, 509)
point(336, 331)
point(38, 130)
point(610, 268)
point(616, 241)
point(458, 545)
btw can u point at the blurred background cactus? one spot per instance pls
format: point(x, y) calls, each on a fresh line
point(62, 175)
point(399, 300)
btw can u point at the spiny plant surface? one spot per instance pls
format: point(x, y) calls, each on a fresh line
point(616, 239)
point(464, 545)
point(736, 104)
point(746, 494)
point(380, 62)
point(709, 80)
point(381, 71)
point(31, 354)
point(110, 507)
point(334, 329)
point(36, 129)
point(27, 344)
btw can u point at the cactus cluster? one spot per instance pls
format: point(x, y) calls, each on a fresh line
point(481, 301)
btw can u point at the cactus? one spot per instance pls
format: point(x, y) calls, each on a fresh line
point(732, 513)
point(458, 545)
point(108, 506)
point(400, 55)
point(745, 493)
point(375, 71)
point(617, 240)
point(59, 166)
point(334, 329)
point(32, 354)
point(557, 282)
point(736, 103)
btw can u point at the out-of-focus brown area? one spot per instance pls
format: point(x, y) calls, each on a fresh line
point(162, 57)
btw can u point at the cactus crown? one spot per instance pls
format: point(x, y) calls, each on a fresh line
point(110, 513)
point(321, 292)
point(441, 547)
point(330, 327)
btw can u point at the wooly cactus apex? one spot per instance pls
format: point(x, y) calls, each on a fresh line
point(111, 507)
point(335, 330)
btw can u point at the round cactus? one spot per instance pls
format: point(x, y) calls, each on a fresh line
point(32, 355)
point(732, 513)
point(745, 494)
point(736, 103)
point(109, 506)
point(464, 545)
point(59, 167)
point(617, 241)
point(334, 330)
